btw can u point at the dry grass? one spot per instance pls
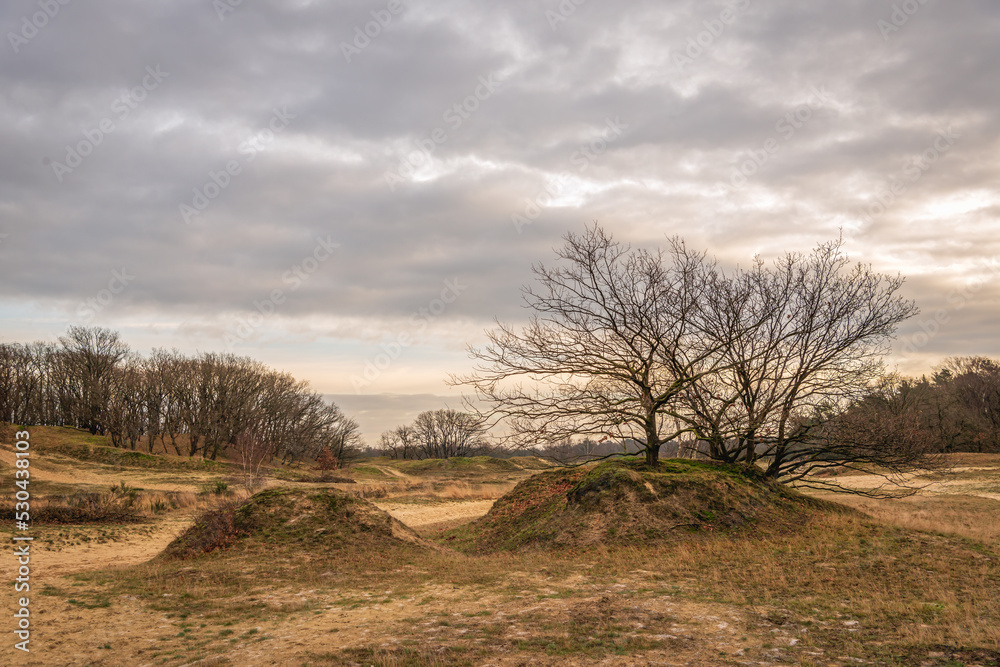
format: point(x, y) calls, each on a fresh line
point(114, 506)
point(914, 583)
point(967, 516)
point(423, 491)
point(841, 586)
point(915, 588)
point(467, 491)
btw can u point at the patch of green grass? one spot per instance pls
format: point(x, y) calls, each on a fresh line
point(454, 464)
point(367, 470)
point(96, 602)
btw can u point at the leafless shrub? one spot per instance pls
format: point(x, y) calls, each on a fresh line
point(214, 529)
point(253, 451)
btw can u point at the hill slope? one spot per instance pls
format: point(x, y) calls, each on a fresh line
point(623, 502)
point(289, 519)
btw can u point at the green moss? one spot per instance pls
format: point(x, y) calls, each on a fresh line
point(457, 464)
point(625, 501)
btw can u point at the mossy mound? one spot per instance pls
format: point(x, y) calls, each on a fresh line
point(300, 520)
point(625, 502)
point(457, 464)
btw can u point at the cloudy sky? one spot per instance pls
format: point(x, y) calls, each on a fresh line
point(317, 184)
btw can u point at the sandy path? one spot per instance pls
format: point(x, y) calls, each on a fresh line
point(926, 487)
point(392, 472)
point(414, 515)
point(138, 547)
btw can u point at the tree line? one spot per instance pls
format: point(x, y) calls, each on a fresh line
point(437, 434)
point(956, 409)
point(194, 406)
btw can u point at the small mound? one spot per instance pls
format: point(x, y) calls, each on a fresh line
point(303, 520)
point(463, 464)
point(625, 502)
point(530, 463)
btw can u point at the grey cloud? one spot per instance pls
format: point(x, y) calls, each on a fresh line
point(324, 174)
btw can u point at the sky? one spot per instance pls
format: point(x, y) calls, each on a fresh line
point(354, 191)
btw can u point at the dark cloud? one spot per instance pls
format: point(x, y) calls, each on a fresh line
point(534, 142)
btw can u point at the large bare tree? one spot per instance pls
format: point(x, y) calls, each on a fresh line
point(615, 337)
point(802, 340)
point(643, 346)
point(91, 355)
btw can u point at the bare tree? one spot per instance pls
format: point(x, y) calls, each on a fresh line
point(801, 342)
point(92, 353)
point(967, 399)
point(339, 433)
point(27, 394)
point(400, 443)
point(615, 337)
point(645, 347)
point(127, 419)
point(253, 451)
point(441, 434)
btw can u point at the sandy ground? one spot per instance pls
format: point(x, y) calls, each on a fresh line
point(139, 545)
point(66, 634)
point(983, 482)
point(130, 632)
point(40, 469)
point(417, 515)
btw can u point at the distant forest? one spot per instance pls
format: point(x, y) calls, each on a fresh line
point(191, 406)
point(203, 405)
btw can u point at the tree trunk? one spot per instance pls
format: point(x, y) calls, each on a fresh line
point(652, 454)
point(652, 440)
